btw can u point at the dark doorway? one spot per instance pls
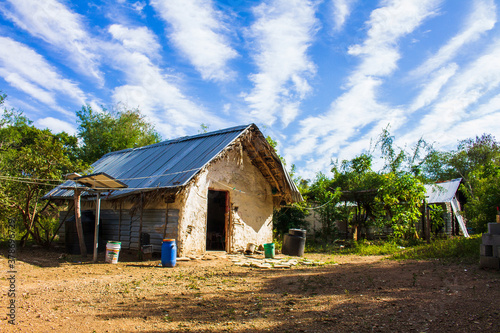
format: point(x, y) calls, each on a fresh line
point(216, 220)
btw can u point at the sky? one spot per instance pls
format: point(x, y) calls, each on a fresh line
point(322, 78)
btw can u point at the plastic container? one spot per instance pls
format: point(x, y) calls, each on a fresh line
point(168, 253)
point(112, 252)
point(250, 247)
point(297, 232)
point(269, 250)
point(295, 245)
point(284, 247)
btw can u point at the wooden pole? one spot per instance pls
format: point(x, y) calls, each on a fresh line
point(423, 219)
point(120, 224)
point(140, 226)
point(78, 221)
point(428, 225)
point(166, 222)
point(96, 230)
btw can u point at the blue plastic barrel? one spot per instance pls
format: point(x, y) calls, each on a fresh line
point(168, 253)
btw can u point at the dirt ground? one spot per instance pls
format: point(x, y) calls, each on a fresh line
point(348, 294)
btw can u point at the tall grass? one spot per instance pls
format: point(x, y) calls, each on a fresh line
point(457, 249)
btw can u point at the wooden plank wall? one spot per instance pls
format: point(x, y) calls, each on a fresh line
point(128, 234)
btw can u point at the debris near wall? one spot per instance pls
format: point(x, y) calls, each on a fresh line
point(260, 262)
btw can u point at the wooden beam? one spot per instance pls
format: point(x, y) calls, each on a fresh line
point(140, 226)
point(78, 221)
point(96, 230)
point(265, 165)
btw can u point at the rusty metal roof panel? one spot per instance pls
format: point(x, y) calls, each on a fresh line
point(170, 163)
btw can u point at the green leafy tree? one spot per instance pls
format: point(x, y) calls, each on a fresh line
point(112, 130)
point(477, 162)
point(359, 185)
point(325, 198)
point(398, 203)
point(30, 159)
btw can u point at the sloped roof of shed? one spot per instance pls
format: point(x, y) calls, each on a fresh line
point(168, 164)
point(443, 191)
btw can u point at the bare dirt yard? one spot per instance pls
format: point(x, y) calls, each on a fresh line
point(348, 294)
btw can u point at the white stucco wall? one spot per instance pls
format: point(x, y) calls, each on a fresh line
point(251, 204)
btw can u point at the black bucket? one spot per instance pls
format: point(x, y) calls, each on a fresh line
point(295, 245)
point(297, 232)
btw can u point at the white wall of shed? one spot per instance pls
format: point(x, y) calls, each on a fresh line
point(251, 221)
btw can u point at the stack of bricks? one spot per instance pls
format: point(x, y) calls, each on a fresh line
point(490, 257)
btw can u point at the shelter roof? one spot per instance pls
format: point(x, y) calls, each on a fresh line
point(173, 163)
point(443, 191)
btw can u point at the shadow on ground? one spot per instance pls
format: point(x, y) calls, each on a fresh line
point(381, 296)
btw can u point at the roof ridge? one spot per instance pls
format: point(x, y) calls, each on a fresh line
point(182, 139)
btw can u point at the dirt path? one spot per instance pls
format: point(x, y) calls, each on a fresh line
point(357, 294)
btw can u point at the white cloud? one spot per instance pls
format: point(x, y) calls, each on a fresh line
point(358, 108)
point(136, 39)
point(199, 35)
point(282, 34)
point(28, 71)
point(57, 25)
point(432, 89)
point(154, 92)
point(56, 125)
point(341, 11)
point(481, 19)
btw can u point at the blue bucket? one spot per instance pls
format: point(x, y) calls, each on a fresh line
point(168, 253)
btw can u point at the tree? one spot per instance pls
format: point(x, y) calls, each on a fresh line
point(326, 200)
point(477, 162)
point(108, 131)
point(359, 184)
point(30, 161)
point(398, 203)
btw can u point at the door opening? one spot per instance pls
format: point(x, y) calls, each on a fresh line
point(217, 220)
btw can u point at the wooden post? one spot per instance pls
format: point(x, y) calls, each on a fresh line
point(120, 224)
point(166, 222)
point(96, 230)
point(140, 227)
point(428, 225)
point(78, 221)
point(424, 233)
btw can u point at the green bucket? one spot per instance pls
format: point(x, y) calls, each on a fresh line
point(269, 250)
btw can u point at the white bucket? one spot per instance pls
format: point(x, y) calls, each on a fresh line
point(112, 252)
point(250, 247)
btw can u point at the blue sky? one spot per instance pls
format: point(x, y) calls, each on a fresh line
point(323, 78)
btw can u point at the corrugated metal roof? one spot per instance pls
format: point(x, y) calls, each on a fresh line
point(167, 164)
point(442, 192)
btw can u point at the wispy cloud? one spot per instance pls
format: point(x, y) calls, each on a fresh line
point(57, 25)
point(432, 89)
point(341, 11)
point(465, 98)
point(28, 71)
point(282, 34)
point(482, 19)
point(358, 109)
point(199, 34)
point(148, 87)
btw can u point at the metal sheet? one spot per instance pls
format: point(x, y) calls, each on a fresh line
point(166, 164)
point(442, 192)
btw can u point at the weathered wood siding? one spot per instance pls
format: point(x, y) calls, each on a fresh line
point(153, 223)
